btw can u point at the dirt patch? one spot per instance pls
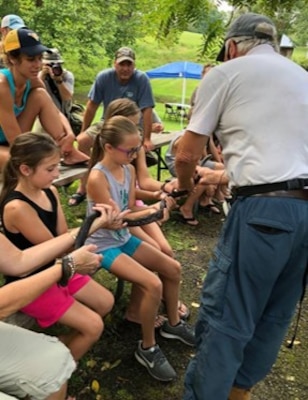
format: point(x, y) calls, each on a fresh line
point(110, 371)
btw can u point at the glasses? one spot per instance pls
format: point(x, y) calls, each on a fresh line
point(234, 41)
point(130, 152)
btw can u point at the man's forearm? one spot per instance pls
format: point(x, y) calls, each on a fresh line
point(88, 116)
point(187, 158)
point(147, 123)
point(65, 93)
point(185, 172)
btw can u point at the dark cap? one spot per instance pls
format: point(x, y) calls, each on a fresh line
point(52, 56)
point(125, 54)
point(250, 25)
point(24, 40)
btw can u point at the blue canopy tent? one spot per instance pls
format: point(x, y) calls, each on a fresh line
point(178, 69)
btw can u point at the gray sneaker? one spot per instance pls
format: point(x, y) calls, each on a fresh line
point(155, 362)
point(182, 331)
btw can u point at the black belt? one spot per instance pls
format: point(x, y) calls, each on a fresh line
point(292, 184)
point(296, 194)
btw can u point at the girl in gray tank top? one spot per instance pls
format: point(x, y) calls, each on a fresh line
point(126, 256)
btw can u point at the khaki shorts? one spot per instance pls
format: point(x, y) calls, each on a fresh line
point(6, 397)
point(32, 363)
point(94, 130)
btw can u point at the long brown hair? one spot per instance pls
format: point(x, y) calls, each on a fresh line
point(125, 107)
point(29, 149)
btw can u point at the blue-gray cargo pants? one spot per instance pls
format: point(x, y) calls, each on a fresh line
point(254, 281)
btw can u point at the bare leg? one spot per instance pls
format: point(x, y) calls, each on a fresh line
point(39, 104)
point(169, 271)
point(60, 395)
point(88, 327)
point(187, 209)
point(127, 268)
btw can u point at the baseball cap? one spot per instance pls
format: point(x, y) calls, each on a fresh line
point(24, 40)
point(251, 25)
point(52, 56)
point(125, 54)
point(12, 21)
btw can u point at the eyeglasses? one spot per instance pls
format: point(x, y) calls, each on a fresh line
point(227, 58)
point(130, 152)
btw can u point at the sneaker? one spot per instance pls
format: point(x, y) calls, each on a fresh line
point(182, 331)
point(155, 362)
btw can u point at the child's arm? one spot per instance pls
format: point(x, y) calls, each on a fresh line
point(20, 217)
point(98, 188)
point(61, 221)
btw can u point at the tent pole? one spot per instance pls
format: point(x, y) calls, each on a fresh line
point(183, 98)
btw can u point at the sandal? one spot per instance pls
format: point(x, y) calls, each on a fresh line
point(209, 208)
point(76, 199)
point(159, 321)
point(183, 310)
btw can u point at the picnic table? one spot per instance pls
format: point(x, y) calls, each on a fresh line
point(160, 140)
point(70, 174)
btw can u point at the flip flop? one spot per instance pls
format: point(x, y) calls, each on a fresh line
point(183, 310)
point(191, 221)
point(159, 321)
point(77, 199)
point(210, 208)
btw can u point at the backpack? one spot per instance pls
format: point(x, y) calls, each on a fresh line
point(75, 117)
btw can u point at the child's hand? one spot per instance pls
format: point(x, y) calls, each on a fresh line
point(110, 217)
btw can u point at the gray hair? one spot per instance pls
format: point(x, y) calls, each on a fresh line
point(246, 43)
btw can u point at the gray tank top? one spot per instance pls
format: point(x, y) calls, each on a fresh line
point(106, 238)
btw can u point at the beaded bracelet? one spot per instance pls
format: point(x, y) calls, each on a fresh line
point(68, 269)
point(73, 235)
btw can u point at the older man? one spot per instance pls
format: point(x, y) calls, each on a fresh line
point(124, 80)
point(257, 102)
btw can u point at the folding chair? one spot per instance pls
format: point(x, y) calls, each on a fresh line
point(170, 112)
point(181, 112)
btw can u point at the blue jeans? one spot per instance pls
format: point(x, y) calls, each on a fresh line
point(249, 295)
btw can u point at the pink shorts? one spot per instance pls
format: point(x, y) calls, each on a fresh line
point(139, 203)
point(48, 308)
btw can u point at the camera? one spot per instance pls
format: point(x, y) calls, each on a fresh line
point(56, 69)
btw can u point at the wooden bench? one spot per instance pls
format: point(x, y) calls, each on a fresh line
point(69, 174)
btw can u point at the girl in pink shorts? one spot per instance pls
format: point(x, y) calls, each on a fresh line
point(31, 213)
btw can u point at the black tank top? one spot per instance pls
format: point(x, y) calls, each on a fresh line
point(49, 219)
